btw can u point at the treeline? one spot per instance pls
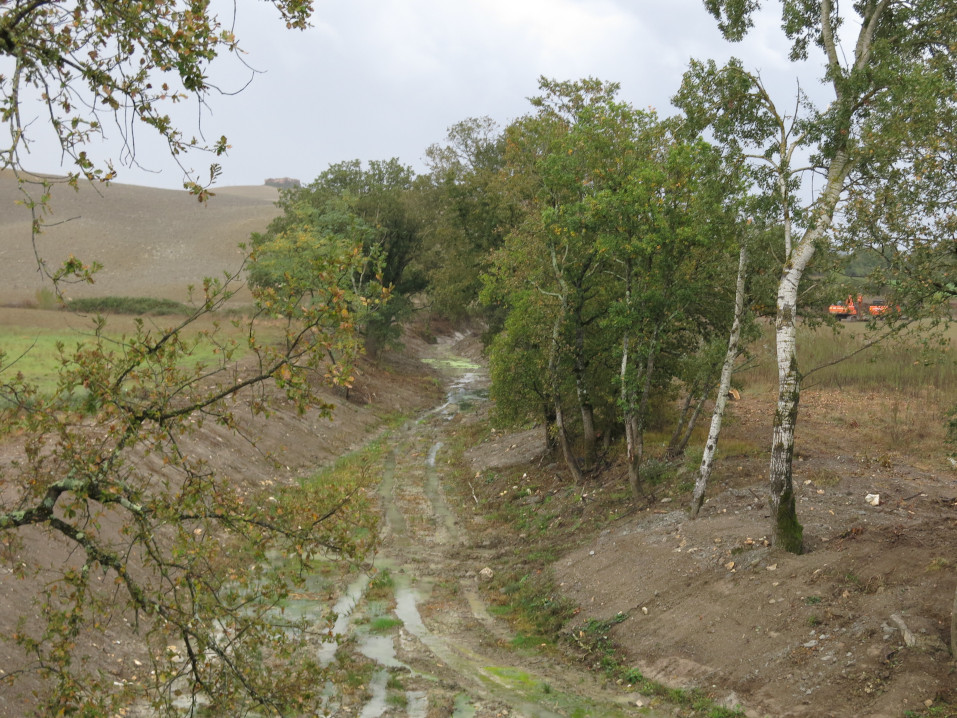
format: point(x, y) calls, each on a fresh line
point(596, 242)
point(620, 260)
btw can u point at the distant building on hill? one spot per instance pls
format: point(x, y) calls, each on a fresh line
point(283, 182)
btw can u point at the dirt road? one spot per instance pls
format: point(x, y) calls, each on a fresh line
point(449, 656)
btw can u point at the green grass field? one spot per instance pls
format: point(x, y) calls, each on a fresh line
point(30, 341)
point(34, 354)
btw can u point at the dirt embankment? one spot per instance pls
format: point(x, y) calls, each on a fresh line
point(265, 452)
point(857, 626)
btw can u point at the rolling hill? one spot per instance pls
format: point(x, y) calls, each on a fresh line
point(151, 242)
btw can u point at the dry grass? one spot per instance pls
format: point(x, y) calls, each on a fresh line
point(894, 395)
point(917, 365)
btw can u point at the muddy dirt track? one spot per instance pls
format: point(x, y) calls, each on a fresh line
point(449, 656)
point(857, 626)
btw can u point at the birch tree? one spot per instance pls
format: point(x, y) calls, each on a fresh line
point(889, 66)
point(724, 385)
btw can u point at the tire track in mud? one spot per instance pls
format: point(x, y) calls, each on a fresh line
point(424, 547)
point(449, 646)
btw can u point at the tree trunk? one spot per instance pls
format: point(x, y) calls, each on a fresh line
point(711, 445)
point(632, 438)
point(678, 434)
point(589, 438)
point(693, 422)
point(635, 423)
point(677, 448)
point(555, 387)
point(786, 530)
point(567, 452)
point(548, 416)
point(627, 400)
point(627, 396)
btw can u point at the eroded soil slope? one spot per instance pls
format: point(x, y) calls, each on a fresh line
point(855, 627)
point(265, 454)
point(858, 626)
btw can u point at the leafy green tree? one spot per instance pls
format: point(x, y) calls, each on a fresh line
point(294, 261)
point(518, 367)
point(621, 242)
point(377, 207)
point(101, 64)
point(667, 228)
point(558, 157)
point(469, 214)
point(893, 90)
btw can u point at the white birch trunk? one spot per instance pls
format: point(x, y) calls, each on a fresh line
point(786, 530)
point(711, 445)
point(627, 392)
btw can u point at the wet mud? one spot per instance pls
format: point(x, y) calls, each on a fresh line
point(449, 655)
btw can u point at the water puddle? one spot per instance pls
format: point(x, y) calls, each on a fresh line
point(463, 708)
point(377, 704)
point(433, 452)
point(417, 704)
point(380, 649)
point(343, 610)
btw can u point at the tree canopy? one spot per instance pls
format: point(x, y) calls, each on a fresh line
point(375, 210)
point(100, 66)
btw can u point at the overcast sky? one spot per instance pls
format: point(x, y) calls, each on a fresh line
point(375, 79)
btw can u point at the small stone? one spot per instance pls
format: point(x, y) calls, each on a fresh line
point(486, 574)
point(644, 610)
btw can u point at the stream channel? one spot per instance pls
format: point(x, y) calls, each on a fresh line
point(446, 655)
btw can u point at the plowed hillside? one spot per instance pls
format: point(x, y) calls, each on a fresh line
point(151, 242)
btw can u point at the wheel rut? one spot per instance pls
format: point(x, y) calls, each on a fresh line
point(450, 656)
